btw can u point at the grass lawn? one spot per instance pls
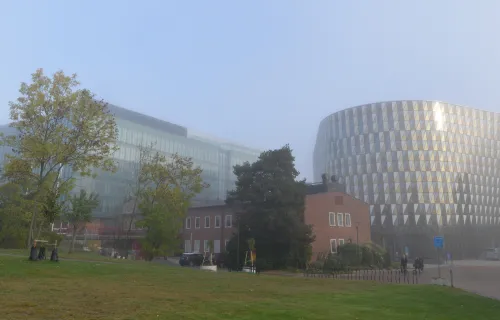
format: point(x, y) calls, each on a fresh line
point(90, 290)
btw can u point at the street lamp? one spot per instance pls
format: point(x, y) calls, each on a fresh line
point(357, 240)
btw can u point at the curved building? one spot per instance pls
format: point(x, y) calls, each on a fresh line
point(425, 167)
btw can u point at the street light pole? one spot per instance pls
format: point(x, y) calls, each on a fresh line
point(238, 248)
point(357, 240)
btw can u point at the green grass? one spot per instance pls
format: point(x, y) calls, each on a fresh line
point(135, 291)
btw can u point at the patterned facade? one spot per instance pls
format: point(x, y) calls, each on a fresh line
point(417, 163)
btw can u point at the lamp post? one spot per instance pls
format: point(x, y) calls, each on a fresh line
point(357, 240)
point(238, 248)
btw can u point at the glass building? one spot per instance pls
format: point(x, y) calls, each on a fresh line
point(425, 167)
point(215, 157)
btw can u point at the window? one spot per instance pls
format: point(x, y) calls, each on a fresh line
point(187, 246)
point(229, 221)
point(225, 244)
point(216, 246)
point(340, 219)
point(197, 222)
point(333, 245)
point(339, 200)
point(196, 246)
point(341, 242)
point(205, 246)
point(188, 223)
point(347, 219)
point(207, 222)
point(217, 222)
point(331, 216)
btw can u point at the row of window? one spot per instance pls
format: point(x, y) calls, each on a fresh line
point(228, 222)
point(334, 244)
point(196, 246)
point(339, 219)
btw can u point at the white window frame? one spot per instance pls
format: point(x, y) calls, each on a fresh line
point(333, 245)
point(188, 225)
point(341, 242)
point(215, 221)
point(197, 219)
point(330, 215)
point(230, 225)
point(206, 227)
point(345, 220)
point(205, 245)
point(340, 222)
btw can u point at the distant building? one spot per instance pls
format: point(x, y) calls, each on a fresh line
point(426, 168)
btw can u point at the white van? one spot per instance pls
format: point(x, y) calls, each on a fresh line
point(492, 254)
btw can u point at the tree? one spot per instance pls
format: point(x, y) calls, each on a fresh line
point(14, 215)
point(59, 127)
point(169, 185)
point(137, 186)
point(80, 212)
point(272, 205)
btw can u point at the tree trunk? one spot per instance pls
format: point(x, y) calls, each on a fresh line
point(73, 238)
point(39, 230)
point(32, 226)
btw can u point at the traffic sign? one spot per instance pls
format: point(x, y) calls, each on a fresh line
point(438, 241)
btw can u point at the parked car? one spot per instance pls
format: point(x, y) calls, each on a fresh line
point(191, 259)
point(492, 254)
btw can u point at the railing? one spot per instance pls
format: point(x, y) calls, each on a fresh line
point(379, 275)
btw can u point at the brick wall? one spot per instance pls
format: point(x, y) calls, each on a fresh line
point(330, 214)
point(214, 223)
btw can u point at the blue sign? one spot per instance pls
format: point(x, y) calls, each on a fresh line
point(438, 242)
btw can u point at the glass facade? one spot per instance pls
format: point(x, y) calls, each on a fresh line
point(416, 163)
point(215, 157)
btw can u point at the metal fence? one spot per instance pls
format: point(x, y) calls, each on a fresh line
point(382, 275)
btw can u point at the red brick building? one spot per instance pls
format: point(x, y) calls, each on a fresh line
point(336, 217)
point(208, 223)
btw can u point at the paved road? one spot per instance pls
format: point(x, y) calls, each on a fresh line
point(478, 276)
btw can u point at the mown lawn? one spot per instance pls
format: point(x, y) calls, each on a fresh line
point(90, 290)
